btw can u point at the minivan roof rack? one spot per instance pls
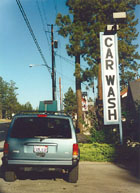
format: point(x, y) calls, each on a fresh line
point(44, 112)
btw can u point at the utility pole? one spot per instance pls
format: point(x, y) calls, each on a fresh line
point(100, 99)
point(60, 93)
point(53, 67)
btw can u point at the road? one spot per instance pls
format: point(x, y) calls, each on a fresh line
point(93, 178)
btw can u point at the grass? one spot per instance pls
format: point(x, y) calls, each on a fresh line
point(97, 152)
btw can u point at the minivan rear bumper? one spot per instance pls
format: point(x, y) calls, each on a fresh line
point(56, 164)
point(31, 162)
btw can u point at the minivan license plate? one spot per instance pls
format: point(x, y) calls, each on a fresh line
point(41, 149)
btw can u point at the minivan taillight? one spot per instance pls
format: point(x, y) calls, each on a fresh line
point(6, 148)
point(75, 150)
point(42, 115)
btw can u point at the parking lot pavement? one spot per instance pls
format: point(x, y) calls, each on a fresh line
point(93, 178)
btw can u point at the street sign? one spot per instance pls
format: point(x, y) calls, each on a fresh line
point(110, 79)
point(48, 105)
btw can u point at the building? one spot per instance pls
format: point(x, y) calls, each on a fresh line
point(130, 99)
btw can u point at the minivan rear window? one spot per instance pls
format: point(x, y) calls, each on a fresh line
point(30, 127)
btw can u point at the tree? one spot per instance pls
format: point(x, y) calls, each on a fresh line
point(8, 100)
point(11, 99)
point(23, 107)
point(82, 27)
point(94, 16)
point(3, 96)
point(27, 107)
point(91, 17)
point(70, 105)
point(71, 28)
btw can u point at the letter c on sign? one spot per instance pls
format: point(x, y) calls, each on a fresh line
point(107, 43)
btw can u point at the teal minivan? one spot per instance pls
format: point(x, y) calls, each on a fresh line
point(41, 141)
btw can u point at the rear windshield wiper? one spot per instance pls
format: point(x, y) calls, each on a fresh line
point(41, 137)
point(50, 136)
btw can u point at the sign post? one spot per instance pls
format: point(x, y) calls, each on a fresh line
point(110, 80)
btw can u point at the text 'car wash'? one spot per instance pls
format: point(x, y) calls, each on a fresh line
point(109, 79)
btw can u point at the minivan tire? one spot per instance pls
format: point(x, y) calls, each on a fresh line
point(73, 174)
point(9, 176)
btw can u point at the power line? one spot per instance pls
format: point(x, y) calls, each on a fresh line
point(45, 17)
point(55, 6)
point(66, 59)
point(42, 20)
point(32, 34)
point(36, 42)
point(69, 79)
point(69, 61)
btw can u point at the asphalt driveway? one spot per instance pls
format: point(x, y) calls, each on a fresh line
point(93, 178)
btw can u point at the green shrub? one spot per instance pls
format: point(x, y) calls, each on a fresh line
point(97, 152)
point(108, 134)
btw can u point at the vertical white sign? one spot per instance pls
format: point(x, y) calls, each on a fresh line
point(110, 79)
point(84, 103)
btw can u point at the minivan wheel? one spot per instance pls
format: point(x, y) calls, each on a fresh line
point(72, 175)
point(9, 176)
